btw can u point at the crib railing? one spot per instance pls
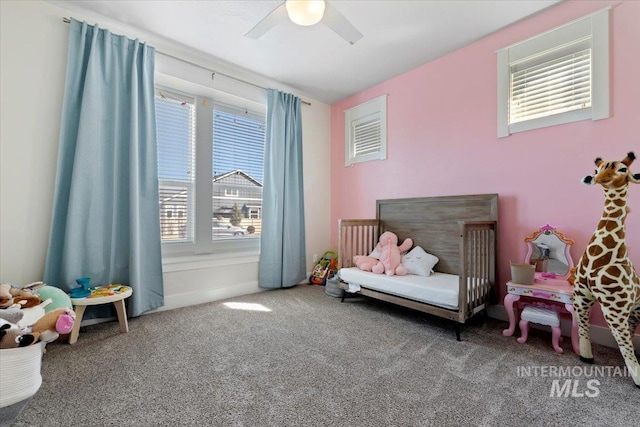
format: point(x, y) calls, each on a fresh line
point(356, 237)
point(477, 266)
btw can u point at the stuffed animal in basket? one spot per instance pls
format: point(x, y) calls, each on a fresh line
point(11, 336)
point(11, 315)
point(54, 323)
point(390, 255)
point(13, 296)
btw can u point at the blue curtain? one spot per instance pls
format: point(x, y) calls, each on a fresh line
point(106, 222)
point(282, 240)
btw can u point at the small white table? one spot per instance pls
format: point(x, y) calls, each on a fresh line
point(101, 295)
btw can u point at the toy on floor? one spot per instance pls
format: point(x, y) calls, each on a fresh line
point(605, 272)
point(390, 255)
point(326, 267)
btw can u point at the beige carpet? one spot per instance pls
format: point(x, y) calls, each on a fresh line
point(313, 361)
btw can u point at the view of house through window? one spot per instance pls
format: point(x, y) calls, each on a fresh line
point(238, 158)
point(235, 163)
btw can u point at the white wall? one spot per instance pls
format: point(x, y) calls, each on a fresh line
point(33, 61)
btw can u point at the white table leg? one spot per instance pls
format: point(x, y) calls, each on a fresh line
point(122, 315)
point(79, 310)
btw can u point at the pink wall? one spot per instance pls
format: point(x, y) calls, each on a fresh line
point(442, 141)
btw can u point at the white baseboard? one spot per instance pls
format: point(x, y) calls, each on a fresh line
point(200, 297)
point(599, 334)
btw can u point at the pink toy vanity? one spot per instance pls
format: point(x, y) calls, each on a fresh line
point(550, 295)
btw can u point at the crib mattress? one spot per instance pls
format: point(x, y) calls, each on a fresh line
point(439, 289)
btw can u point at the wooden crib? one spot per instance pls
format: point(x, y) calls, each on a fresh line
point(459, 230)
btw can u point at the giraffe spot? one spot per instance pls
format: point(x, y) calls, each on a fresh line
point(621, 304)
point(595, 251)
point(609, 241)
point(618, 202)
point(602, 261)
point(610, 225)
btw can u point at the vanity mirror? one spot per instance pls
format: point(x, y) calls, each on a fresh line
point(549, 251)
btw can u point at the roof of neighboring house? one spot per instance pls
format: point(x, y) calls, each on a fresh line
point(237, 172)
point(183, 194)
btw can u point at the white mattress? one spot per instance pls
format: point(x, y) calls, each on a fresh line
point(439, 289)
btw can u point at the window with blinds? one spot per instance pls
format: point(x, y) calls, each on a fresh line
point(552, 87)
point(366, 131)
point(238, 161)
point(210, 168)
point(175, 126)
point(557, 77)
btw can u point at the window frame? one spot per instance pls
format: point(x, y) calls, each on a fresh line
point(375, 109)
point(203, 242)
point(595, 27)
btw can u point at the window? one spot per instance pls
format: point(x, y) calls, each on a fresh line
point(238, 162)
point(210, 167)
point(175, 122)
point(557, 77)
point(366, 132)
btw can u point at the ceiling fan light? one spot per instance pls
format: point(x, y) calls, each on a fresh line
point(305, 12)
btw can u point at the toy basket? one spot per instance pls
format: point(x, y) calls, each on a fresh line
point(326, 266)
point(21, 379)
point(332, 288)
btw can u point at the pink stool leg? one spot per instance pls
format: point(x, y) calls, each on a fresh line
point(524, 328)
point(509, 300)
point(556, 336)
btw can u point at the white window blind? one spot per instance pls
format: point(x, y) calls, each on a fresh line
point(238, 141)
point(175, 126)
point(556, 86)
point(366, 136)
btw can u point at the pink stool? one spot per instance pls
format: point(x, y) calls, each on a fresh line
point(541, 316)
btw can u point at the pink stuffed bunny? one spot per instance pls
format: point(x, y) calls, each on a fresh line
point(390, 255)
point(364, 262)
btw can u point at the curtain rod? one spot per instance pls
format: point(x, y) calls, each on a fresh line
point(213, 72)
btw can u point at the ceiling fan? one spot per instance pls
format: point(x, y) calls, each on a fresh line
point(307, 12)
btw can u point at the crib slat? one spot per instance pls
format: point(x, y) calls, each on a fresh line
point(356, 237)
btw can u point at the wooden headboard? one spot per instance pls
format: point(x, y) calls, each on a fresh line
point(433, 222)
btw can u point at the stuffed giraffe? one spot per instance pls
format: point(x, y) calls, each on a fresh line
point(605, 272)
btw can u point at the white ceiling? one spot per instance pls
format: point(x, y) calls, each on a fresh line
point(398, 36)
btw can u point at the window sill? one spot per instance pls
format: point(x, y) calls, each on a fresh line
point(199, 262)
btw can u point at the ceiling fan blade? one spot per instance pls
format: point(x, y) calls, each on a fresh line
point(276, 16)
point(340, 25)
